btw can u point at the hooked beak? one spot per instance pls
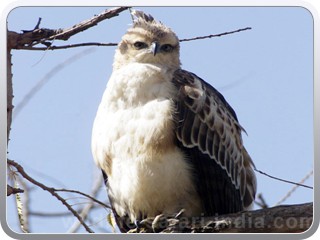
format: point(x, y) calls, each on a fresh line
point(154, 48)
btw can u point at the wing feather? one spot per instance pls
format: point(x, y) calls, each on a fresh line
point(209, 133)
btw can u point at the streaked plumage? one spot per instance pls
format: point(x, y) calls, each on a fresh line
point(164, 138)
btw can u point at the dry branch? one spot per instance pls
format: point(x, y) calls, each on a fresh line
point(9, 94)
point(280, 219)
point(86, 210)
point(51, 47)
point(215, 35)
point(43, 35)
point(50, 190)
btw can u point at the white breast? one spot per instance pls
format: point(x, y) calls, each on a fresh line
point(134, 128)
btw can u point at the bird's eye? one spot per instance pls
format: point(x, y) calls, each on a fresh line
point(167, 48)
point(140, 45)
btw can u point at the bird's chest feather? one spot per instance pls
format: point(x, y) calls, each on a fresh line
point(135, 117)
point(133, 141)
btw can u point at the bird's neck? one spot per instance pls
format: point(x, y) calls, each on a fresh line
point(136, 84)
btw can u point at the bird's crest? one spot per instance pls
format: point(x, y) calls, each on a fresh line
point(138, 15)
point(149, 23)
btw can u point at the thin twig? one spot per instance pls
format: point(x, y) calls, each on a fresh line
point(83, 194)
point(294, 188)
point(283, 180)
point(56, 214)
point(38, 23)
point(215, 35)
point(65, 34)
point(115, 44)
point(262, 202)
point(69, 46)
point(86, 210)
point(49, 214)
point(50, 190)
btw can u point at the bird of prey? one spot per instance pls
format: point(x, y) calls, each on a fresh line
point(164, 138)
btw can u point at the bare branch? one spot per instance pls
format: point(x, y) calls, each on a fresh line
point(57, 214)
point(69, 46)
point(282, 180)
point(9, 93)
point(85, 211)
point(50, 190)
point(43, 35)
point(83, 194)
point(262, 202)
point(49, 214)
point(65, 34)
point(288, 194)
point(215, 35)
point(115, 44)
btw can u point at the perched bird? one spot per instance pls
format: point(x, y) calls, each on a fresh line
point(164, 138)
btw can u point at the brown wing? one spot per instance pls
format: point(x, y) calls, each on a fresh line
point(209, 134)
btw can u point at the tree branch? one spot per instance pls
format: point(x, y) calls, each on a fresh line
point(215, 35)
point(280, 219)
point(69, 46)
point(30, 47)
point(50, 190)
point(43, 35)
point(86, 210)
point(83, 194)
point(65, 34)
point(288, 194)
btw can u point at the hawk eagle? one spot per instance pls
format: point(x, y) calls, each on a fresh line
point(164, 138)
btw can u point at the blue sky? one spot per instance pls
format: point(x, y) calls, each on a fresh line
point(266, 75)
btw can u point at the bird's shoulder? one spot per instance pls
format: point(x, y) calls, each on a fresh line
point(204, 100)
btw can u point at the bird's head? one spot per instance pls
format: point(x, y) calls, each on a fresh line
point(148, 41)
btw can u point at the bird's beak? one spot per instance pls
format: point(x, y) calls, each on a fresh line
point(154, 48)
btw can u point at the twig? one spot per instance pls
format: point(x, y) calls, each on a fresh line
point(85, 211)
point(49, 214)
point(65, 34)
point(115, 44)
point(83, 194)
point(43, 35)
point(262, 203)
point(294, 188)
point(9, 93)
point(215, 35)
point(55, 214)
point(50, 190)
point(69, 46)
point(283, 180)
point(38, 23)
